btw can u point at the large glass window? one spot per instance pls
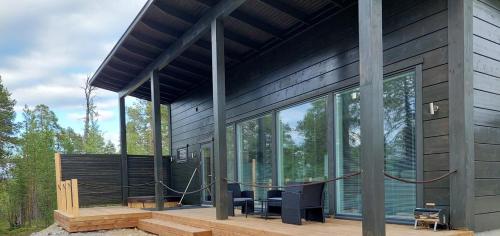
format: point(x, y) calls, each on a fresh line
point(400, 147)
point(254, 139)
point(302, 153)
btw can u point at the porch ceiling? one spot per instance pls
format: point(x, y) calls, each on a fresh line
point(254, 28)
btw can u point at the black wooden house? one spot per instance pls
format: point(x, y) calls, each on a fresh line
point(278, 91)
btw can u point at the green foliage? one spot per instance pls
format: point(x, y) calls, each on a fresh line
point(70, 142)
point(7, 122)
point(94, 143)
point(139, 128)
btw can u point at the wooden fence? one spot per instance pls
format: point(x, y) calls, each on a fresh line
point(67, 191)
point(99, 176)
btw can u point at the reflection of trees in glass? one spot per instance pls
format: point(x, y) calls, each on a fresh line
point(254, 152)
point(399, 136)
point(231, 172)
point(303, 155)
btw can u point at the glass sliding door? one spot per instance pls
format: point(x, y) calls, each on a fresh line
point(254, 140)
point(347, 149)
point(400, 144)
point(400, 147)
point(231, 153)
point(302, 152)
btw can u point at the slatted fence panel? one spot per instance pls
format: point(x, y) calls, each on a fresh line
point(141, 171)
point(99, 177)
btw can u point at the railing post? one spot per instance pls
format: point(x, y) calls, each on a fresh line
point(74, 196)
point(69, 201)
point(57, 160)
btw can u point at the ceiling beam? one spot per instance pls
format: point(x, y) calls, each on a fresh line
point(201, 43)
point(131, 27)
point(248, 19)
point(190, 19)
point(222, 9)
point(287, 9)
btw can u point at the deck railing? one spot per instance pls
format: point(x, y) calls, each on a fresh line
point(67, 191)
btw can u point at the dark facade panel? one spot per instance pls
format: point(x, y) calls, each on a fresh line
point(325, 59)
point(486, 60)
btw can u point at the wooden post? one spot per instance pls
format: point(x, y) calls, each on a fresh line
point(219, 101)
point(461, 107)
point(372, 116)
point(63, 196)
point(57, 160)
point(74, 196)
point(69, 201)
point(157, 143)
point(123, 151)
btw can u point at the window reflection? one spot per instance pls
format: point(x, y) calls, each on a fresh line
point(400, 147)
point(302, 153)
point(254, 139)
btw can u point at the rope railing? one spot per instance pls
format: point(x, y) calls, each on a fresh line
point(188, 192)
point(346, 176)
point(419, 181)
point(294, 185)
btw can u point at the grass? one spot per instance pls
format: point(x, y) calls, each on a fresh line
point(23, 231)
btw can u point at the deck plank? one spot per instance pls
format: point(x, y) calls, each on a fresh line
point(100, 218)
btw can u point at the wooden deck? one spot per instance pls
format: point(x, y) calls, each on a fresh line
point(204, 218)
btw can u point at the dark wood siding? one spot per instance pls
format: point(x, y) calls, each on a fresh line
point(486, 23)
point(325, 59)
point(99, 176)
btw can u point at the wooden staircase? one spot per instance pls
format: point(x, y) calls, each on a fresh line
point(170, 227)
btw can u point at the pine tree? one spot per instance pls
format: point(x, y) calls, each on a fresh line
point(7, 122)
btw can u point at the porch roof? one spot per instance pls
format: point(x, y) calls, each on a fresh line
point(254, 27)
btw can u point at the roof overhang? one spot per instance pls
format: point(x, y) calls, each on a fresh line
point(171, 36)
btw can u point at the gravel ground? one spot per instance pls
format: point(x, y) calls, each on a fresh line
point(55, 230)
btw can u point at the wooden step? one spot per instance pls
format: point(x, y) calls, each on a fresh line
point(165, 228)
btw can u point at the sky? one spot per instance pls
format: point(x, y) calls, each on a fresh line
point(49, 47)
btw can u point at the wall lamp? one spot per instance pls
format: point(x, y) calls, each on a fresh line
point(433, 108)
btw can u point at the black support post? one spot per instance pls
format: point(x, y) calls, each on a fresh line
point(461, 130)
point(219, 100)
point(372, 114)
point(157, 144)
point(123, 151)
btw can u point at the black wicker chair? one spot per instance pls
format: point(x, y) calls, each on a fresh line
point(274, 200)
point(303, 202)
point(236, 197)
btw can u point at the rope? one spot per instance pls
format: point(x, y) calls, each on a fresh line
point(186, 193)
point(116, 186)
point(419, 181)
point(296, 185)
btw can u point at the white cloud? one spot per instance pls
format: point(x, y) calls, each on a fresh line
point(49, 47)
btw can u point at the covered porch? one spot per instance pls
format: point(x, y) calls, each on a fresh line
point(179, 54)
point(202, 221)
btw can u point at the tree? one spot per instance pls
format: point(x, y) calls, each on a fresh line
point(109, 148)
point(31, 189)
point(139, 128)
point(90, 108)
point(70, 142)
point(7, 122)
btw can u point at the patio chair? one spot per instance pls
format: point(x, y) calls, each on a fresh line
point(303, 202)
point(274, 200)
point(236, 197)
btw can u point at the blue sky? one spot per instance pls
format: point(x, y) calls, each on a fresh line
point(49, 47)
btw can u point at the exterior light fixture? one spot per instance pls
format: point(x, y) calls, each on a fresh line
point(433, 108)
point(354, 95)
